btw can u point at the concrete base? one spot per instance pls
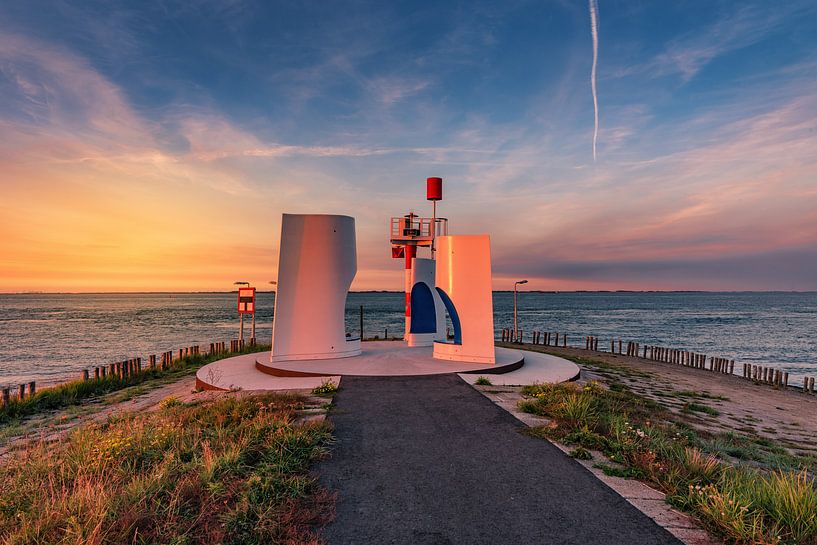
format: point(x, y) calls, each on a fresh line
point(538, 368)
point(420, 339)
point(390, 358)
point(350, 349)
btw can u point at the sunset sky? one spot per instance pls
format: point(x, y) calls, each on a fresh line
point(154, 146)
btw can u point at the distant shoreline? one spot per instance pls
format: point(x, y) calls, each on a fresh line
point(392, 291)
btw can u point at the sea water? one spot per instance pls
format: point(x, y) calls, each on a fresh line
point(52, 337)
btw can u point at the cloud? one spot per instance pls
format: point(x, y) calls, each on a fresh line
point(735, 29)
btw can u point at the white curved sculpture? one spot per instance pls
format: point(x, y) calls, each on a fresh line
point(427, 323)
point(463, 281)
point(317, 262)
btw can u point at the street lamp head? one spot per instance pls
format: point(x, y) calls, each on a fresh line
point(521, 282)
point(241, 283)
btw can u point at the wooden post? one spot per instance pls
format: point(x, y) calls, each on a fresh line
point(785, 379)
point(104, 372)
point(6, 396)
point(32, 388)
point(564, 340)
point(22, 391)
point(84, 374)
point(96, 373)
point(361, 323)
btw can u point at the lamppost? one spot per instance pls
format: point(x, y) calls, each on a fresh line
point(241, 316)
point(515, 321)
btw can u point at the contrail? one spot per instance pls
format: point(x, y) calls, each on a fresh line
point(594, 30)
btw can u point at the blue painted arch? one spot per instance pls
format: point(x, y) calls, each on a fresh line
point(423, 312)
point(452, 312)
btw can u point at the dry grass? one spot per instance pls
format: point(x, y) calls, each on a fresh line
point(225, 471)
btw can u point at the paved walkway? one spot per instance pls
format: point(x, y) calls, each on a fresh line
point(428, 460)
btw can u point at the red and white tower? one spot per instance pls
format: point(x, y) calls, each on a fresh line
point(412, 231)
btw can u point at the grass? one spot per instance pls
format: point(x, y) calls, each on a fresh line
point(75, 392)
point(771, 500)
point(699, 408)
point(483, 381)
point(232, 471)
point(698, 395)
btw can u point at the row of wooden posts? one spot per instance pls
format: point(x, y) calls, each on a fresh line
point(537, 337)
point(726, 366)
point(130, 367)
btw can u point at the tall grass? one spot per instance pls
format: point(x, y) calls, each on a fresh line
point(74, 392)
point(226, 471)
point(746, 505)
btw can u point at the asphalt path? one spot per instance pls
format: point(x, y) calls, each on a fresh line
point(429, 460)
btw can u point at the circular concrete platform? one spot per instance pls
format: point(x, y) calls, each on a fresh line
point(389, 358)
point(255, 372)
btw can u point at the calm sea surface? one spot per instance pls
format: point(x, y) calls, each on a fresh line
point(49, 338)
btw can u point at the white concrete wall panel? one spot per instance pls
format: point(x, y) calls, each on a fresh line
point(316, 265)
point(464, 274)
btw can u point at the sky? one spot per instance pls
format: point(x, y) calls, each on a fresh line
point(155, 145)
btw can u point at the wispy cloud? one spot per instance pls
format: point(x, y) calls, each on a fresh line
point(594, 32)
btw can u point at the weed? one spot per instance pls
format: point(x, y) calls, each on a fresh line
point(483, 381)
point(327, 388)
point(170, 402)
point(581, 453)
point(615, 471)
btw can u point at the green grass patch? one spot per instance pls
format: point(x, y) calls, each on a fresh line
point(75, 392)
point(697, 395)
point(224, 471)
point(483, 381)
point(699, 408)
